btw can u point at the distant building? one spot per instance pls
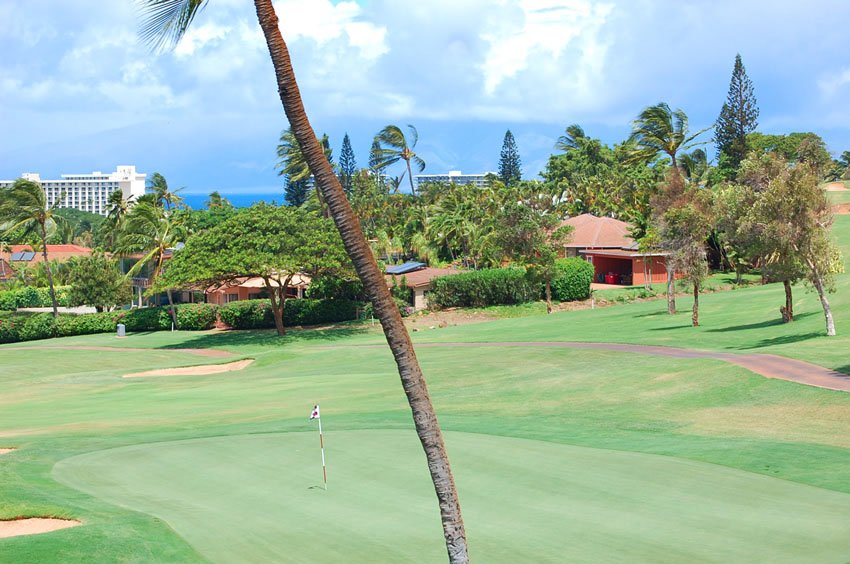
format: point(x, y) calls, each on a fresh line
point(89, 192)
point(25, 254)
point(454, 177)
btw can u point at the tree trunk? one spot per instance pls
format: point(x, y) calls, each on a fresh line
point(548, 295)
point(49, 272)
point(789, 302)
point(410, 177)
point(695, 311)
point(412, 379)
point(671, 294)
point(171, 309)
point(277, 307)
point(817, 281)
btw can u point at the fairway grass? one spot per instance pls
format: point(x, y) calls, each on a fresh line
point(560, 454)
point(254, 498)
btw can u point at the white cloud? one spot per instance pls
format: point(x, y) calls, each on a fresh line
point(830, 85)
point(198, 37)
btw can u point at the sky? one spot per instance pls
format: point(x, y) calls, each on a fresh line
point(79, 92)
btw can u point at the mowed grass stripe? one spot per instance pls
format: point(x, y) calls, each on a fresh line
point(257, 498)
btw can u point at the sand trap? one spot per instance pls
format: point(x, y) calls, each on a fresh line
point(202, 370)
point(841, 209)
point(6, 450)
point(34, 526)
point(835, 187)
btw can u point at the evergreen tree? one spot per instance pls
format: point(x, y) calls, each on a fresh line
point(738, 117)
point(509, 163)
point(347, 164)
point(296, 192)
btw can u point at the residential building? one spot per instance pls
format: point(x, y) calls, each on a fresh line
point(89, 192)
point(253, 289)
point(454, 177)
point(25, 254)
point(419, 278)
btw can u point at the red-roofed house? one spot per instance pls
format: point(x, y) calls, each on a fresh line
point(252, 289)
point(27, 255)
point(606, 243)
point(6, 272)
point(420, 281)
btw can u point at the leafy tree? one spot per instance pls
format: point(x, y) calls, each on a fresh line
point(375, 161)
point(117, 211)
point(97, 281)
point(23, 206)
point(792, 216)
point(166, 23)
point(347, 164)
point(509, 162)
point(658, 129)
point(217, 201)
point(152, 231)
point(794, 147)
point(670, 196)
point(738, 117)
point(268, 242)
point(394, 146)
point(293, 167)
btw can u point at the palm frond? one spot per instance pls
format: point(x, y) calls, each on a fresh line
point(164, 22)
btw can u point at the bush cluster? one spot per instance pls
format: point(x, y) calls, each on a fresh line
point(572, 279)
point(479, 288)
point(257, 314)
point(32, 297)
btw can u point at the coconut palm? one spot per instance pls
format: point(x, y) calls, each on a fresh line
point(165, 197)
point(23, 207)
point(166, 22)
point(118, 208)
point(151, 231)
point(658, 129)
point(394, 146)
point(571, 139)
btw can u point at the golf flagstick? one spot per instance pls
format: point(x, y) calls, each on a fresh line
point(315, 415)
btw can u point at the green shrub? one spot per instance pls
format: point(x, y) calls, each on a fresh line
point(41, 326)
point(336, 288)
point(572, 279)
point(195, 317)
point(479, 288)
point(27, 297)
point(257, 314)
point(144, 319)
point(8, 301)
point(10, 329)
point(32, 297)
point(86, 324)
point(404, 308)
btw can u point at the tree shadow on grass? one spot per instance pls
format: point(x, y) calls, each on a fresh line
point(783, 340)
point(844, 369)
point(672, 328)
point(268, 337)
point(760, 325)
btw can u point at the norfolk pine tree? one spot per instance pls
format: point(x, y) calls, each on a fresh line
point(738, 117)
point(510, 171)
point(347, 165)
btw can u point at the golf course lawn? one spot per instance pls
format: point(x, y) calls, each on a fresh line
point(560, 454)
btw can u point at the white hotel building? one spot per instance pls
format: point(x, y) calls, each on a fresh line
point(89, 192)
point(453, 177)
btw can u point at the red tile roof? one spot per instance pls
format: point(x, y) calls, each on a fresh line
point(6, 272)
point(424, 276)
point(69, 249)
point(590, 231)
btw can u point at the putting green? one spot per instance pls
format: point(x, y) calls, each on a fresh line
point(255, 498)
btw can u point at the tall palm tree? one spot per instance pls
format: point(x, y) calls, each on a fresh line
point(658, 129)
point(23, 206)
point(167, 21)
point(571, 139)
point(395, 147)
point(117, 209)
point(165, 197)
point(151, 231)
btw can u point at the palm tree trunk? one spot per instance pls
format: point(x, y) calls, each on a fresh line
point(49, 272)
point(410, 177)
point(548, 294)
point(671, 295)
point(412, 379)
point(695, 312)
point(171, 309)
point(789, 302)
point(817, 282)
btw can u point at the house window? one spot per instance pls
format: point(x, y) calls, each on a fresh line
point(231, 298)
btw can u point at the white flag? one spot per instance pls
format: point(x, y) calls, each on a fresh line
point(315, 413)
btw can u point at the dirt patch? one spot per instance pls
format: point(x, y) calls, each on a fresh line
point(835, 187)
point(201, 370)
point(6, 450)
point(841, 209)
point(215, 353)
point(34, 526)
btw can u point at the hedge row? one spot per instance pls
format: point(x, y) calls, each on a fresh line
point(479, 288)
point(572, 279)
point(257, 314)
point(252, 314)
point(32, 297)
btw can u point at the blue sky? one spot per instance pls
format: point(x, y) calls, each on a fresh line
point(79, 93)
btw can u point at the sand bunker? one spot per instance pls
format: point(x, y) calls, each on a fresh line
point(34, 526)
point(835, 187)
point(195, 370)
point(841, 209)
point(6, 450)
